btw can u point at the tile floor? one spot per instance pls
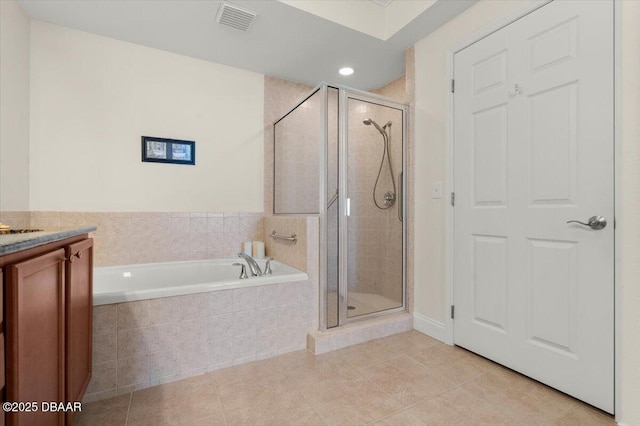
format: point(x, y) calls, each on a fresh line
point(405, 379)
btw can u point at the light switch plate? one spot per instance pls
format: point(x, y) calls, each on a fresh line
point(436, 192)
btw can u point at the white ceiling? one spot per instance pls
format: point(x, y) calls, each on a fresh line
point(283, 41)
point(366, 16)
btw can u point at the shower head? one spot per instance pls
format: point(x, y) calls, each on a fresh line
point(369, 121)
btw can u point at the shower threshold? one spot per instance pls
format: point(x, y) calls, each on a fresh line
point(362, 304)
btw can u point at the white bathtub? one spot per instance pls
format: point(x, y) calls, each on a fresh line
point(116, 284)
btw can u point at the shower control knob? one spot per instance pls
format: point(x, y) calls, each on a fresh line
point(389, 198)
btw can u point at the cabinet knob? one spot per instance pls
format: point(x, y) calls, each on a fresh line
point(73, 256)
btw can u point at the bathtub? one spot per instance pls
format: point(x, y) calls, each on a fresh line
point(117, 284)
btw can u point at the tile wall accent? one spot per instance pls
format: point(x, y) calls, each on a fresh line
point(141, 344)
point(144, 237)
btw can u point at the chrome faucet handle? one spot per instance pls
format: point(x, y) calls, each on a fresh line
point(243, 270)
point(267, 267)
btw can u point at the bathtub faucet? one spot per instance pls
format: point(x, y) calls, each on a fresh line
point(253, 265)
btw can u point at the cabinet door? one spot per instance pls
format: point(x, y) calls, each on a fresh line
point(79, 303)
point(34, 336)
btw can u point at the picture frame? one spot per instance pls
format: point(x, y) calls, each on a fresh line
point(173, 151)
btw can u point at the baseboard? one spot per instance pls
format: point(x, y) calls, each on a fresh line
point(429, 326)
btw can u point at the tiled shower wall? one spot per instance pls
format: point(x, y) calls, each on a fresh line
point(296, 143)
point(279, 97)
point(145, 237)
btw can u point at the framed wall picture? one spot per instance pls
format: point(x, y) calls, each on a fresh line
point(162, 150)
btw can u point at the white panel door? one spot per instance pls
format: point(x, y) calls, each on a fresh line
point(533, 149)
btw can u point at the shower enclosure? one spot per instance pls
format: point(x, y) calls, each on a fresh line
point(340, 153)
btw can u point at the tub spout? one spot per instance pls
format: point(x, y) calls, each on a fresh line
point(253, 265)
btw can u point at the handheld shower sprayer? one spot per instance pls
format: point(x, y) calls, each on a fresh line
point(369, 122)
point(389, 196)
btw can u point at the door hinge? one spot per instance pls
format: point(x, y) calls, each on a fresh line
point(453, 86)
point(453, 198)
point(453, 311)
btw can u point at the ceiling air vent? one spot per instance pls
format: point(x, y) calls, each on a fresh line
point(233, 16)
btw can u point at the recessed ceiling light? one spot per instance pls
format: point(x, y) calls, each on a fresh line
point(346, 71)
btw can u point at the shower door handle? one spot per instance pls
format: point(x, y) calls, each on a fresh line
point(401, 197)
point(347, 207)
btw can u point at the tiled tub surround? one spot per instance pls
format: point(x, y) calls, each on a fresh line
point(124, 238)
point(145, 343)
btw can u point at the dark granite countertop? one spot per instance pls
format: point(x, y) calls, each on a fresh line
point(12, 243)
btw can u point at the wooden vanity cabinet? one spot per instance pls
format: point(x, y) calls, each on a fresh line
point(48, 303)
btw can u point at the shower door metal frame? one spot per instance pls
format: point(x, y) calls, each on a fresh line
point(343, 262)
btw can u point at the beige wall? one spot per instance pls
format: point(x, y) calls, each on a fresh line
point(431, 112)
point(93, 97)
point(629, 211)
point(14, 107)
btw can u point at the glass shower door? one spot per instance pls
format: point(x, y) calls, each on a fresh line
point(373, 270)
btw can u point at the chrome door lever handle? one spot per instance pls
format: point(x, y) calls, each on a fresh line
point(594, 222)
